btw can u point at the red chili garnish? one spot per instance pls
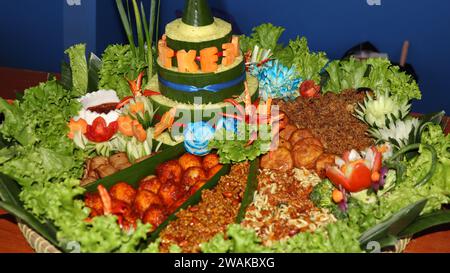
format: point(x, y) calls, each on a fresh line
point(149, 93)
point(99, 132)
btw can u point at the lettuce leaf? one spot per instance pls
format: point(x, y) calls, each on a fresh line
point(376, 73)
point(308, 64)
point(118, 65)
point(79, 69)
point(265, 36)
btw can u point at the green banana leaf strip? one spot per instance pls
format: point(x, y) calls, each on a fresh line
point(136, 172)
point(193, 200)
point(9, 193)
point(95, 65)
point(392, 226)
point(425, 222)
point(66, 76)
point(252, 184)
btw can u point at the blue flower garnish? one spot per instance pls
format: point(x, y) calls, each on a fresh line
point(229, 124)
point(197, 136)
point(277, 81)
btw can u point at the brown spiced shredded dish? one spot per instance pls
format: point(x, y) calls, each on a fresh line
point(330, 119)
point(218, 209)
point(281, 207)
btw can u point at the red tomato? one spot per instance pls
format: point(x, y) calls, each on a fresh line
point(308, 89)
point(99, 132)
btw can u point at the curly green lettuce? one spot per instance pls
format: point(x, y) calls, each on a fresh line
point(265, 36)
point(79, 69)
point(308, 64)
point(376, 73)
point(119, 64)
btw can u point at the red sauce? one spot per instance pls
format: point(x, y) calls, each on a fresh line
point(103, 108)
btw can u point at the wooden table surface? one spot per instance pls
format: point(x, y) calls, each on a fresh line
point(12, 241)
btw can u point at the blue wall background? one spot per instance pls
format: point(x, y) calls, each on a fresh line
point(36, 39)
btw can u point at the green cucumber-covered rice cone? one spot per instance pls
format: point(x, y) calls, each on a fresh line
point(197, 13)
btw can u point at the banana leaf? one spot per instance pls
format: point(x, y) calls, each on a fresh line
point(94, 67)
point(136, 172)
point(386, 233)
point(66, 76)
point(252, 184)
point(193, 200)
point(427, 221)
point(9, 193)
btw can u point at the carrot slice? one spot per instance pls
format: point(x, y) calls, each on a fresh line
point(137, 107)
point(208, 59)
point(76, 126)
point(125, 125)
point(138, 131)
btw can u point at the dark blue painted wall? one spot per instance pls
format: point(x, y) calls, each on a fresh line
point(36, 39)
point(31, 34)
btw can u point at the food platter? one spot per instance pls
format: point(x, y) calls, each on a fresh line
point(314, 155)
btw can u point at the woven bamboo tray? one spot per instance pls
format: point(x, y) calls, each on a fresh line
point(40, 245)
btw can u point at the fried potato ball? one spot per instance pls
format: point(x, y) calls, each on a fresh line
point(284, 143)
point(192, 176)
point(299, 135)
point(280, 159)
point(196, 187)
point(152, 184)
point(189, 160)
point(213, 171)
point(323, 162)
point(170, 192)
point(106, 170)
point(288, 131)
point(210, 161)
point(144, 199)
point(119, 161)
point(123, 192)
point(170, 170)
point(306, 155)
point(94, 202)
point(310, 141)
point(154, 215)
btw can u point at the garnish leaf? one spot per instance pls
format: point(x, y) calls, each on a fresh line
point(392, 226)
point(252, 184)
point(427, 221)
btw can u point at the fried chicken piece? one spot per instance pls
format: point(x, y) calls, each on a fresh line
point(306, 155)
point(310, 141)
point(94, 202)
point(280, 159)
point(87, 180)
point(170, 192)
point(189, 160)
point(323, 162)
point(144, 199)
point(119, 161)
point(170, 170)
point(299, 135)
point(210, 161)
point(287, 132)
point(106, 170)
point(192, 176)
point(123, 192)
point(97, 161)
point(155, 215)
point(152, 184)
point(213, 171)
